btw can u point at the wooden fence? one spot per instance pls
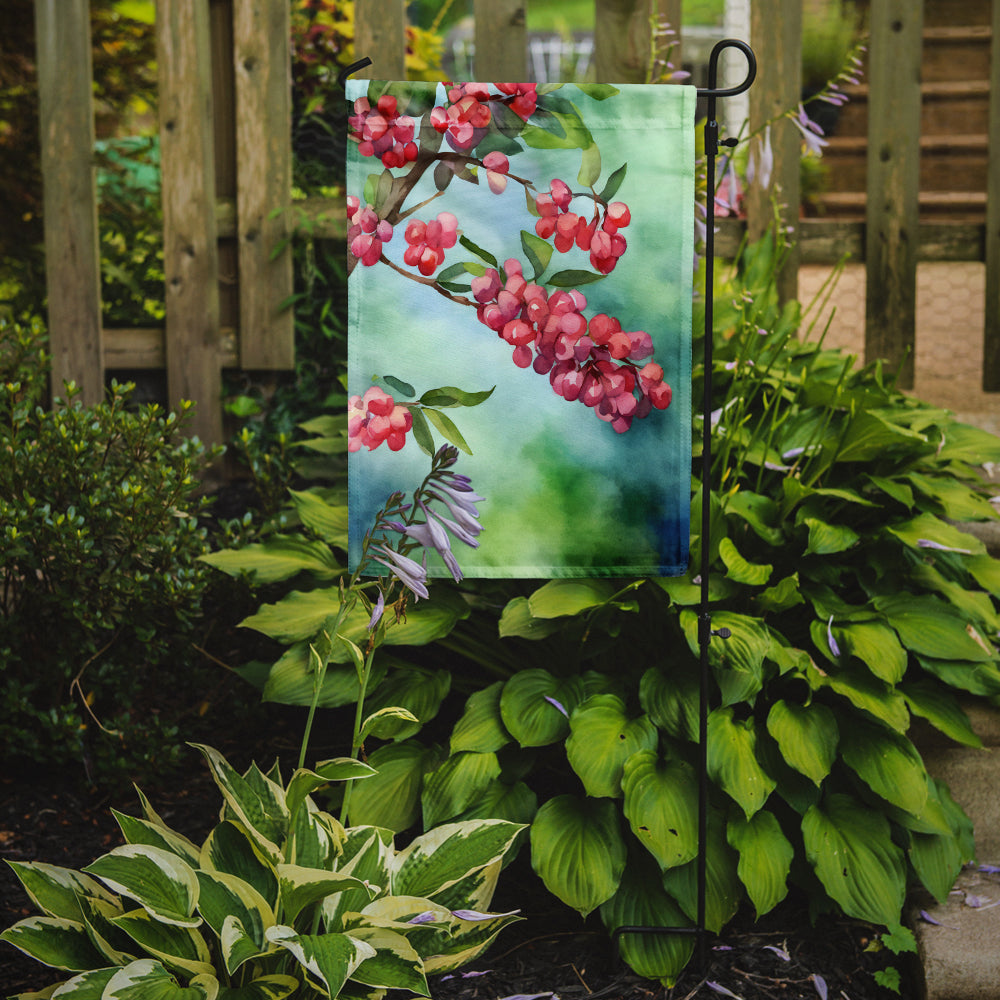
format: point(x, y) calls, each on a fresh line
point(226, 161)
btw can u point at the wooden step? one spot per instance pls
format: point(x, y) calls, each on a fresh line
point(958, 206)
point(956, 53)
point(947, 162)
point(939, 13)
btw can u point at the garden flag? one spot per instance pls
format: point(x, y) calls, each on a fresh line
point(520, 265)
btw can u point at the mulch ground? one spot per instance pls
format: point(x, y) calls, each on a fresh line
point(551, 952)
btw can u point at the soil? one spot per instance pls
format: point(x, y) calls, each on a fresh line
point(551, 952)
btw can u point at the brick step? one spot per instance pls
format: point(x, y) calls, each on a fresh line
point(947, 162)
point(953, 206)
point(944, 103)
point(956, 53)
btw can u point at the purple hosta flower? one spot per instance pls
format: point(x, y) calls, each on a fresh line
point(990, 869)
point(557, 704)
point(831, 642)
point(719, 988)
point(427, 917)
point(377, 612)
point(812, 134)
point(820, 983)
point(431, 535)
point(780, 952)
point(408, 571)
point(760, 166)
point(927, 543)
point(475, 915)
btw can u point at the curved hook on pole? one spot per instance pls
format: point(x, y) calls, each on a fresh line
point(352, 68)
point(713, 69)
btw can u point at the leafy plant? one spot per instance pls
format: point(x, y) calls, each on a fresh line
point(101, 587)
point(279, 899)
point(854, 604)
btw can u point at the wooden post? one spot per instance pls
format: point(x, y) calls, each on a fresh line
point(380, 34)
point(501, 41)
point(190, 254)
point(776, 35)
point(893, 183)
point(262, 62)
point(623, 37)
point(72, 256)
point(991, 333)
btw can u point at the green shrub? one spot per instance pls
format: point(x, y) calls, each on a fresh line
point(99, 539)
point(279, 900)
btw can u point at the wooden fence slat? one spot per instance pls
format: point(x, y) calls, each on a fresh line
point(261, 57)
point(380, 34)
point(190, 253)
point(991, 331)
point(622, 40)
point(776, 36)
point(893, 184)
point(501, 41)
point(72, 257)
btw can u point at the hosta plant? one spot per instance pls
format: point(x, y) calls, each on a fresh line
point(279, 900)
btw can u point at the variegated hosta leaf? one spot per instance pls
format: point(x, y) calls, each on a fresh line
point(578, 851)
point(86, 986)
point(367, 854)
point(723, 889)
point(807, 736)
point(329, 959)
point(418, 690)
point(56, 891)
point(467, 940)
point(642, 902)
point(300, 887)
point(230, 849)
point(225, 897)
point(54, 941)
point(177, 947)
point(256, 801)
point(147, 979)
point(304, 782)
point(481, 727)
point(273, 987)
point(158, 880)
point(888, 763)
point(141, 831)
point(732, 760)
point(850, 847)
point(456, 784)
point(116, 947)
point(391, 799)
point(315, 838)
point(602, 737)
point(395, 964)
point(441, 857)
point(661, 799)
point(765, 858)
point(475, 891)
point(535, 706)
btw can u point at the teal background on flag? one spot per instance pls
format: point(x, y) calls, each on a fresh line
point(565, 495)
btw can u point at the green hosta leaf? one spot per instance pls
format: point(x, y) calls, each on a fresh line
point(292, 680)
point(147, 979)
point(54, 941)
point(180, 948)
point(301, 887)
point(765, 858)
point(732, 760)
point(569, 597)
point(888, 763)
point(976, 678)
point(395, 964)
point(957, 501)
point(385, 723)
point(932, 628)
point(869, 436)
point(937, 859)
point(738, 569)
point(419, 690)
point(760, 512)
point(807, 736)
point(515, 803)
point(641, 901)
point(517, 620)
point(327, 520)
point(279, 558)
point(535, 706)
point(986, 572)
point(783, 595)
point(661, 798)
point(438, 859)
point(865, 692)
point(56, 891)
point(928, 528)
point(263, 812)
point(391, 798)
point(876, 646)
point(304, 782)
point(965, 443)
point(481, 728)
point(578, 851)
point(941, 709)
point(602, 738)
point(273, 987)
point(850, 847)
point(230, 849)
point(163, 884)
point(723, 889)
point(225, 897)
point(141, 831)
point(828, 539)
point(456, 784)
point(671, 700)
point(330, 959)
point(738, 661)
